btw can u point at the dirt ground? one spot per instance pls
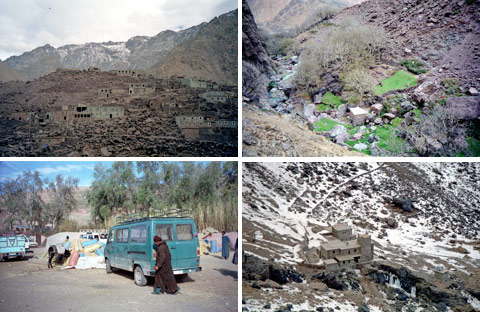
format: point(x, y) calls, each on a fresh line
point(30, 286)
point(277, 135)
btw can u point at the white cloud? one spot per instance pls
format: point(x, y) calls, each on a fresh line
point(28, 24)
point(63, 169)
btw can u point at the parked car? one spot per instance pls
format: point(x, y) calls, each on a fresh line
point(130, 246)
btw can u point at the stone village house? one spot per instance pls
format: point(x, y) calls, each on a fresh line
point(345, 250)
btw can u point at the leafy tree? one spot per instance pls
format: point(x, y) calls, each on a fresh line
point(63, 201)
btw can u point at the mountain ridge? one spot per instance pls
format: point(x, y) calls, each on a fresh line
point(138, 52)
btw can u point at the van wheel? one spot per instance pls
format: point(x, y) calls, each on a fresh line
point(139, 277)
point(108, 267)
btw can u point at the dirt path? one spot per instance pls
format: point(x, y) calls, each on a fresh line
point(268, 134)
point(28, 286)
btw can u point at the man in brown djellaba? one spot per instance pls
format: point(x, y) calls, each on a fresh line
point(164, 278)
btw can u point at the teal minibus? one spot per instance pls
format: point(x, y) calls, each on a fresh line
point(130, 246)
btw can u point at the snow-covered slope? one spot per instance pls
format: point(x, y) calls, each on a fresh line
point(140, 52)
point(288, 200)
point(420, 215)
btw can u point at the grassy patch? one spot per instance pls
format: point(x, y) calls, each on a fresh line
point(401, 80)
point(417, 112)
point(327, 124)
point(474, 146)
point(397, 121)
point(330, 99)
point(414, 66)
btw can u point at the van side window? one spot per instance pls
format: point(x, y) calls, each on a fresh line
point(165, 231)
point(184, 232)
point(122, 235)
point(110, 236)
point(139, 234)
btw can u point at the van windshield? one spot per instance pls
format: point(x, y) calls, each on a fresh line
point(165, 231)
point(184, 232)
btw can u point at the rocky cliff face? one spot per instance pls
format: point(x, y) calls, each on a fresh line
point(211, 53)
point(256, 63)
point(140, 52)
point(287, 15)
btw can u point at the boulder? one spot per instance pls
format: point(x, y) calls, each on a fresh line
point(391, 222)
point(363, 308)
point(460, 142)
point(473, 91)
point(406, 105)
point(433, 145)
point(357, 136)
point(337, 130)
point(309, 110)
point(465, 107)
point(403, 203)
point(317, 99)
point(312, 255)
point(389, 116)
point(342, 110)
point(360, 146)
point(377, 108)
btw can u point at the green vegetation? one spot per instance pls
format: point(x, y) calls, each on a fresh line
point(417, 112)
point(24, 199)
point(473, 146)
point(326, 124)
point(414, 66)
point(401, 80)
point(208, 190)
point(329, 100)
point(387, 134)
point(350, 42)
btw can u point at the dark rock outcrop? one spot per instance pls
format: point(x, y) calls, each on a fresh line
point(256, 63)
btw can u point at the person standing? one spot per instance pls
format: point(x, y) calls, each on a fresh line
point(225, 245)
point(164, 278)
point(235, 254)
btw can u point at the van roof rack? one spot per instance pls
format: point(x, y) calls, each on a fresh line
point(155, 213)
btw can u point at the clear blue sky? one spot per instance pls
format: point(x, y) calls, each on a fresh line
point(83, 170)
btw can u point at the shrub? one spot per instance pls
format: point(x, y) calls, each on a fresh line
point(349, 42)
point(357, 83)
point(414, 66)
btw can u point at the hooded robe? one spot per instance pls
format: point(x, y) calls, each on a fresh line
point(225, 246)
point(164, 277)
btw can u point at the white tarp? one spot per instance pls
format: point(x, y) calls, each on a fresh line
point(59, 238)
point(90, 263)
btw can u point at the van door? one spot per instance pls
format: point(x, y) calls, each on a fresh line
point(165, 231)
point(109, 249)
point(186, 245)
point(121, 249)
point(137, 250)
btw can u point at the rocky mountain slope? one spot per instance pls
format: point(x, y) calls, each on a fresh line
point(286, 15)
point(256, 63)
point(443, 34)
point(8, 74)
point(211, 54)
point(420, 216)
point(421, 71)
point(140, 52)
